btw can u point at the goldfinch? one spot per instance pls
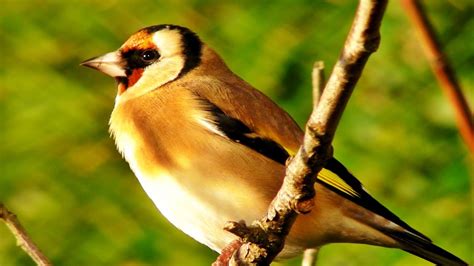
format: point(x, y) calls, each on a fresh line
point(209, 148)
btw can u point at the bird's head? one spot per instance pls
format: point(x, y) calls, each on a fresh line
point(151, 57)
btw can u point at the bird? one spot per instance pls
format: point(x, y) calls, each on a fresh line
point(209, 148)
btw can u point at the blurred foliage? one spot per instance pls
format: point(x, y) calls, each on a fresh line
point(61, 175)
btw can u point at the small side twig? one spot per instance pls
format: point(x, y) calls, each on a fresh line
point(310, 257)
point(265, 238)
point(318, 81)
point(442, 70)
point(22, 238)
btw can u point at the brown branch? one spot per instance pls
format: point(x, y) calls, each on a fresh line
point(22, 238)
point(265, 238)
point(442, 70)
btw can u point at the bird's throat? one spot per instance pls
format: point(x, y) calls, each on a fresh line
point(122, 84)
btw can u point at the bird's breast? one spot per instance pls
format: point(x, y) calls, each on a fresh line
point(198, 179)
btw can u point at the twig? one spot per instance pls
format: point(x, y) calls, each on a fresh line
point(265, 238)
point(22, 238)
point(442, 70)
point(318, 81)
point(226, 254)
point(310, 257)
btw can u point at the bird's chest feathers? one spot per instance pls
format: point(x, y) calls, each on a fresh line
point(164, 161)
point(153, 132)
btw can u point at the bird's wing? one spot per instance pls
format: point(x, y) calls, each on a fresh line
point(251, 108)
point(272, 138)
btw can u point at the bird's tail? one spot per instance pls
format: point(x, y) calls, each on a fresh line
point(424, 248)
point(408, 238)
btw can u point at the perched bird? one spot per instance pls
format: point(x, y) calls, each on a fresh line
point(209, 148)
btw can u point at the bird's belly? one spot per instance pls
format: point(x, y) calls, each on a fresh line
point(198, 197)
point(193, 215)
point(203, 217)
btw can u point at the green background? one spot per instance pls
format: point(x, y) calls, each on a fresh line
point(60, 172)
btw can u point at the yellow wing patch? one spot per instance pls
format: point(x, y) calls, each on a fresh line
point(332, 179)
point(290, 152)
point(338, 183)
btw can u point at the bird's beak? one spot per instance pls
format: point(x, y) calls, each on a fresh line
point(111, 64)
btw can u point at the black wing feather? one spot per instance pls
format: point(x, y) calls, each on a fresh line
point(237, 131)
point(364, 199)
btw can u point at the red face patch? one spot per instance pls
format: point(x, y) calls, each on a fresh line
point(135, 76)
point(129, 81)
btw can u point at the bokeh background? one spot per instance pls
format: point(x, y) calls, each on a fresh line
point(61, 175)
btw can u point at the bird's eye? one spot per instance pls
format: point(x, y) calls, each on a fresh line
point(149, 56)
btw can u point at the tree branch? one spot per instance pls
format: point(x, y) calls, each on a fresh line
point(265, 238)
point(442, 70)
point(22, 238)
point(310, 257)
point(319, 81)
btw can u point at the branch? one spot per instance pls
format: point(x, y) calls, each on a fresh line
point(265, 238)
point(318, 81)
point(442, 70)
point(310, 257)
point(22, 238)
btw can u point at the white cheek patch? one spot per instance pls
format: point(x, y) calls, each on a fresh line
point(169, 42)
point(161, 72)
